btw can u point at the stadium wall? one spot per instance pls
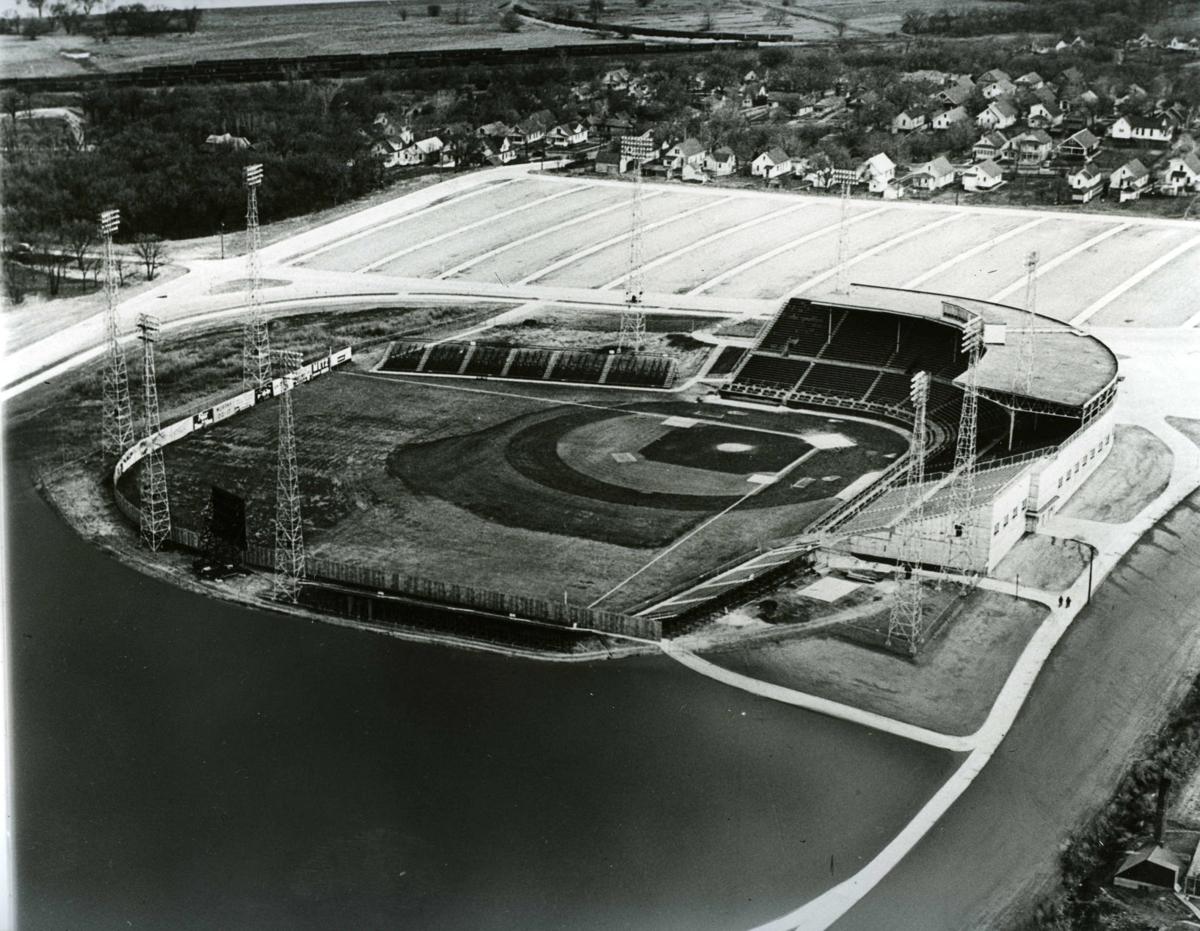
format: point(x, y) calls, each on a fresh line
point(1060, 476)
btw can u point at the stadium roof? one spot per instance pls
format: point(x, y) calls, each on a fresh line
point(1070, 367)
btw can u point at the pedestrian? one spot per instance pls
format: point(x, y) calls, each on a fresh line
point(1068, 601)
point(1060, 601)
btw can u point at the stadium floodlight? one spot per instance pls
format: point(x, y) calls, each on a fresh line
point(252, 175)
point(110, 220)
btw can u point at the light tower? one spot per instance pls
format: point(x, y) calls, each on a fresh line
point(961, 529)
point(1027, 361)
point(906, 621)
point(256, 348)
point(633, 319)
point(156, 509)
point(841, 272)
point(117, 413)
point(289, 531)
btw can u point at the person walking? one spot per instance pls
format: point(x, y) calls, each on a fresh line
point(1068, 601)
point(1060, 604)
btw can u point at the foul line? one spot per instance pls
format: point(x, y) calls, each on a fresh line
point(1060, 259)
point(1141, 276)
point(463, 266)
point(972, 252)
point(671, 256)
point(486, 221)
point(571, 259)
point(779, 250)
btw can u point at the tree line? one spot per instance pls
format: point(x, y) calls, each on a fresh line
point(78, 16)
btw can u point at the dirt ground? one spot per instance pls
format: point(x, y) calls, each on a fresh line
point(1043, 562)
point(950, 688)
point(1134, 473)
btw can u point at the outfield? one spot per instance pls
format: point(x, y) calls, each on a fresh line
point(545, 231)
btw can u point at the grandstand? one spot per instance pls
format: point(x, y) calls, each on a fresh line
point(530, 363)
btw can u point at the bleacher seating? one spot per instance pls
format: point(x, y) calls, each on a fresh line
point(729, 359)
point(446, 358)
point(648, 371)
point(529, 363)
point(800, 329)
point(869, 339)
point(772, 372)
point(404, 357)
point(840, 380)
point(487, 360)
point(891, 389)
point(578, 365)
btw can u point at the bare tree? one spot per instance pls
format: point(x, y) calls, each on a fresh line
point(51, 262)
point(38, 5)
point(79, 236)
point(151, 252)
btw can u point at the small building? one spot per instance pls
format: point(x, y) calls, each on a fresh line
point(908, 121)
point(989, 77)
point(991, 145)
point(1130, 181)
point(994, 90)
point(532, 130)
point(228, 141)
point(1080, 147)
point(983, 177)
point(615, 80)
point(1181, 175)
point(566, 135)
point(999, 114)
point(1032, 148)
point(1044, 115)
point(1151, 867)
point(878, 172)
point(956, 94)
point(933, 175)
point(1031, 80)
point(689, 153)
point(774, 163)
point(499, 150)
point(720, 162)
point(1085, 183)
point(609, 162)
point(1144, 129)
point(948, 118)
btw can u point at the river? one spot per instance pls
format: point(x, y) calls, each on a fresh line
point(188, 763)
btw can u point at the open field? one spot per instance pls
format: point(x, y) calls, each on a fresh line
point(1134, 473)
point(950, 688)
point(1043, 562)
point(279, 31)
point(1106, 269)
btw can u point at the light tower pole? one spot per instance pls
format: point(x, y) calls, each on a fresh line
point(156, 509)
point(256, 349)
point(906, 623)
point(1028, 360)
point(841, 272)
point(289, 530)
point(117, 413)
point(633, 319)
point(962, 530)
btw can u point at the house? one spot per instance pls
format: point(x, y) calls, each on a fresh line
point(991, 145)
point(615, 80)
point(878, 172)
point(1181, 175)
point(532, 130)
point(690, 152)
point(494, 129)
point(1151, 867)
point(948, 118)
point(1044, 115)
point(771, 164)
point(1085, 183)
point(956, 94)
point(1136, 128)
point(989, 77)
point(565, 135)
point(1000, 114)
point(1032, 148)
point(986, 176)
point(229, 141)
point(908, 121)
point(499, 150)
point(720, 162)
point(1071, 80)
point(609, 162)
point(47, 128)
point(933, 175)
point(997, 89)
point(1130, 180)
point(1080, 147)
point(1030, 81)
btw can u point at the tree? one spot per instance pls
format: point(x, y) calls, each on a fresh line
point(191, 18)
point(37, 5)
point(595, 10)
point(151, 252)
point(51, 262)
point(510, 21)
point(79, 235)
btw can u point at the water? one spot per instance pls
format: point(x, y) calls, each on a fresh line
point(186, 763)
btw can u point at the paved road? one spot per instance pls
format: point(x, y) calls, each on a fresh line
point(1102, 690)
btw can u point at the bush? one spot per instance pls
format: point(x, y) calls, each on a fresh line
point(434, 9)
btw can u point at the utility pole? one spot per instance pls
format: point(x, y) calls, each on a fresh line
point(256, 349)
point(962, 530)
point(289, 530)
point(116, 411)
point(155, 509)
point(906, 622)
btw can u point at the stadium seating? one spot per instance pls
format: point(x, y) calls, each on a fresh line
point(404, 357)
point(446, 358)
point(839, 380)
point(771, 372)
point(799, 329)
point(487, 361)
point(529, 363)
point(869, 339)
point(578, 365)
point(647, 371)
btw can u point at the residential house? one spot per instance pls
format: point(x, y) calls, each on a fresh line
point(1071, 80)
point(908, 121)
point(1030, 81)
point(1080, 147)
point(1151, 867)
point(1085, 183)
point(566, 135)
point(1044, 115)
point(532, 130)
point(991, 145)
point(948, 118)
point(878, 172)
point(1031, 149)
point(494, 129)
point(1134, 128)
point(229, 141)
point(1130, 181)
point(983, 177)
point(933, 175)
point(771, 164)
point(689, 153)
point(956, 94)
point(1181, 175)
point(1000, 114)
point(721, 162)
point(994, 90)
point(499, 150)
point(615, 80)
point(609, 162)
point(995, 74)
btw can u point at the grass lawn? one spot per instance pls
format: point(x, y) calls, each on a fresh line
point(950, 688)
point(1134, 473)
point(1048, 563)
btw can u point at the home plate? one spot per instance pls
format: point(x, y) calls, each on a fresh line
point(758, 478)
point(624, 458)
point(827, 440)
point(828, 589)
point(679, 422)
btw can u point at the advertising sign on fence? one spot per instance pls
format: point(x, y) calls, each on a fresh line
point(320, 366)
point(266, 392)
point(234, 405)
point(175, 431)
point(342, 355)
point(202, 420)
